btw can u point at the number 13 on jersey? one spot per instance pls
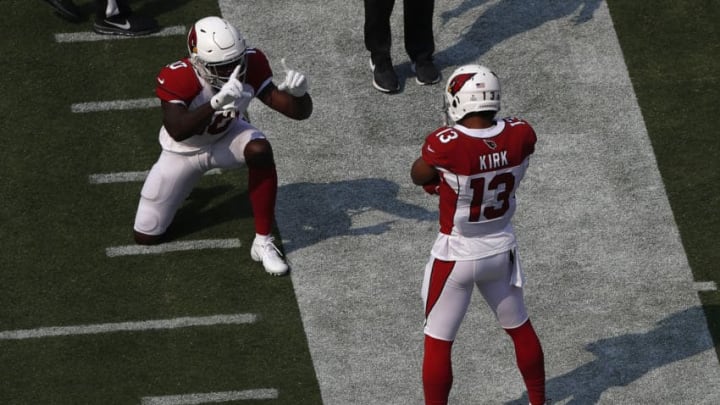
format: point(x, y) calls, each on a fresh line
point(491, 199)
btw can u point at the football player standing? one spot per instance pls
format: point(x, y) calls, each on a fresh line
point(204, 98)
point(475, 166)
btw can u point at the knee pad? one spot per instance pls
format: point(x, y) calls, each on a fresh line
point(147, 219)
point(156, 208)
point(153, 187)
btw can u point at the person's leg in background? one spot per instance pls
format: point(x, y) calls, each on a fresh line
point(419, 39)
point(115, 17)
point(378, 40)
point(66, 9)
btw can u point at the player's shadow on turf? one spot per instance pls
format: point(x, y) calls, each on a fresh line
point(502, 21)
point(621, 360)
point(308, 212)
point(207, 207)
point(312, 212)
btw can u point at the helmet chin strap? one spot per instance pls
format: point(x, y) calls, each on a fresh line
point(445, 115)
point(211, 75)
point(204, 72)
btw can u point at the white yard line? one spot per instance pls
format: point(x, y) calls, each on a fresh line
point(174, 323)
point(705, 286)
point(90, 36)
point(120, 177)
point(211, 397)
point(127, 177)
point(114, 105)
point(132, 250)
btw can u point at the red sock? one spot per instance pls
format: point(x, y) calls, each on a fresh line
point(262, 187)
point(530, 360)
point(437, 371)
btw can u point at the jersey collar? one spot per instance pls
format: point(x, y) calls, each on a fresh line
point(482, 132)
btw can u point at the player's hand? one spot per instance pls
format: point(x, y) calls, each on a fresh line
point(229, 92)
point(242, 102)
point(432, 187)
point(295, 82)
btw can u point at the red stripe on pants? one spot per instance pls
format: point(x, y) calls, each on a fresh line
point(438, 277)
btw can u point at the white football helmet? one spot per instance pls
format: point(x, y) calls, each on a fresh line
point(471, 88)
point(216, 47)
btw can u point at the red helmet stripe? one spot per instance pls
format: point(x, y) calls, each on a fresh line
point(192, 40)
point(458, 82)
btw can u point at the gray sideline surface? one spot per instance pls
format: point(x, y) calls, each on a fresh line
point(609, 287)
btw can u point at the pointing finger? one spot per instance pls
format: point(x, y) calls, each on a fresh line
point(235, 72)
point(282, 61)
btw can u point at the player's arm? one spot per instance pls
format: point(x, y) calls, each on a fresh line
point(182, 123)
point(422, 173)
point(177, 85)
point(425, 175)
point(298, 108)
point(290, 97)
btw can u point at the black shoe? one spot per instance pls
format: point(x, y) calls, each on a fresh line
point(66, 9)
point(384, 77)
point(426, 72)
point(131, 25)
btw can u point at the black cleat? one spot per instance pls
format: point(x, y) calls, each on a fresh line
point(384, 77)
point(130, 25)
point(426, 72)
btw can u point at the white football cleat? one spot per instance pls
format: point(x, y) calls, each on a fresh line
point(270, 256)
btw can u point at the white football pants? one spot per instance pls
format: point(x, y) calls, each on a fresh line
point(174, 176)
point(448, 287)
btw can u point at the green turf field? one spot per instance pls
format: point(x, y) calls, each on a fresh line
point(131, 328)
point(57, 225)
point(672, 50)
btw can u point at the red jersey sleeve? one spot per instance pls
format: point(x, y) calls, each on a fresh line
point(258, 70)
point(178, 82)
point(519, 137)
point(530, 140)
point(437, 149)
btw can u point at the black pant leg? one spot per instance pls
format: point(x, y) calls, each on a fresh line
point(378, 36)
point(419, 39)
